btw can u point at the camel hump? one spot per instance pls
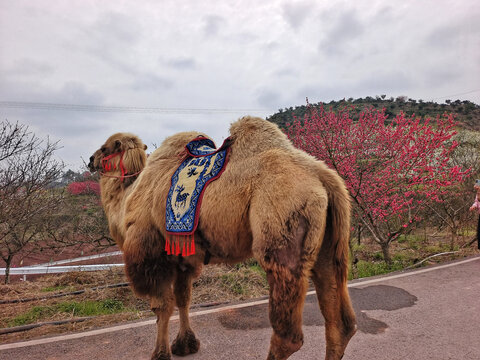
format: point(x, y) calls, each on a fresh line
point(252, 135)
point(174, 145)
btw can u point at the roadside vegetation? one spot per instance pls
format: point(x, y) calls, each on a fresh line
point(71, 308)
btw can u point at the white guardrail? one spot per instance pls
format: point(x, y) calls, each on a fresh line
point(83, 258)
point(52, 268)
point(58, 269)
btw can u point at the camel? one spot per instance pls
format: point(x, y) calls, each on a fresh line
point(273, 202)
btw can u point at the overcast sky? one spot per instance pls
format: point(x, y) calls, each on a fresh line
point(236, 57)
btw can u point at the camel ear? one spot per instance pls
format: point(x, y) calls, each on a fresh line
point(145, 147)
point(118, 144)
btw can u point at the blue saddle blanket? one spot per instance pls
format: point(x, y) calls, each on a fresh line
point(203, 165)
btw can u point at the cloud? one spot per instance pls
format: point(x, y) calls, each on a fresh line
point(454, 49)
point(443, 37)
point(26, 67)
point(346, 30)
point(182, 63)
point(285, 72)
point(74, 92)
point(269, 99)
point(116, 28)
point(212, 25)
point(296, 13)
point(113, 38)
point(70, 92)
point(75, 130)
point(151, 82)
point(244, 38)
point(446, 37)
point(272, 46)
point(376, 82)
point(438, 76)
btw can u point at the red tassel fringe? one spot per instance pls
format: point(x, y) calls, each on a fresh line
point(172, 245)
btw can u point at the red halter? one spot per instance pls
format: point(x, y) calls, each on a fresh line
point(107, 166)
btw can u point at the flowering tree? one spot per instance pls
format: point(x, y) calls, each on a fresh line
point(392, 169)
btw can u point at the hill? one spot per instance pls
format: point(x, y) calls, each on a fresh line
point(467, 113)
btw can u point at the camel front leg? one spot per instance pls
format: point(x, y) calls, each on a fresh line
point(151, 274)
point(163, 308)
point(186, 342)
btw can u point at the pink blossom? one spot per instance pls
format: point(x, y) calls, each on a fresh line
point(84, 187)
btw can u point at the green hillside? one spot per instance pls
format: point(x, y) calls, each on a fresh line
point(467, 113)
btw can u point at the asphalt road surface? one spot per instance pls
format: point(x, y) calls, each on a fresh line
point(432, 313)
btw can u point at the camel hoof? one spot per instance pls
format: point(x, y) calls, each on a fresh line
point(281, 349)
point(161, 354)
point(185, 345)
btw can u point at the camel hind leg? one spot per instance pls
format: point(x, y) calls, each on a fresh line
point(287, 297)
point(335, 304)
point(282, 260)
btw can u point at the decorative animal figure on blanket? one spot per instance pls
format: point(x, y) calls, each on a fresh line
point(181, 199)
point(273, 202)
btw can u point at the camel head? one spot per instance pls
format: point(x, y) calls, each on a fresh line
point(121, 156)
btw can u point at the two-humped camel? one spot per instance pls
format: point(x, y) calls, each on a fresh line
point(273, 202)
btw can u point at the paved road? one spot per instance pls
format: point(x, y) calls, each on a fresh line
point(432, 313)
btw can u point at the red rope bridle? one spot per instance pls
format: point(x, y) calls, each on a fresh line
point(106, 166)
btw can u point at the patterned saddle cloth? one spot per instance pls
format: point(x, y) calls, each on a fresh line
point(203, 165)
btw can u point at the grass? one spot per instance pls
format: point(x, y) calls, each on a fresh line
point(365, 269)
point(235, 283)
point(243, 277)
point(258, 269)
point(435, 249)
point(405, 251)
point(467, 232)
point(413, 241)
point(32, 316)
point(84, 308)
point(53, 288)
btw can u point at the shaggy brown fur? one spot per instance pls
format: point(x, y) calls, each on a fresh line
point(273, 202)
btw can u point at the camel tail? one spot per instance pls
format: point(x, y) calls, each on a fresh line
point(337, 232)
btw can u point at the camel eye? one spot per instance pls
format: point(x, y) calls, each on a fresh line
point(103, 149)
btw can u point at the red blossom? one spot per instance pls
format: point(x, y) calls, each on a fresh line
point(84, 188)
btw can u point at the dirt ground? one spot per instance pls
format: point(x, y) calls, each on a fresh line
point(217, 284)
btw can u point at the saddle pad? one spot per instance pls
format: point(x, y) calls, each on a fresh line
point(203, 165)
